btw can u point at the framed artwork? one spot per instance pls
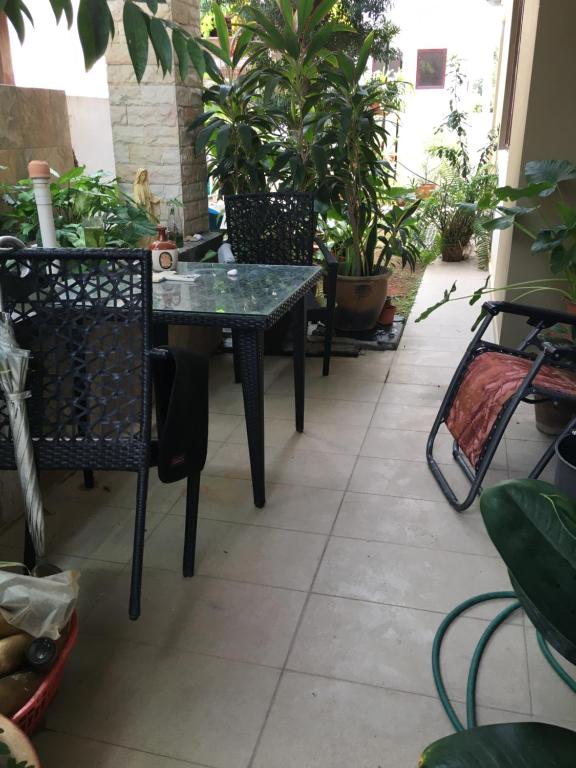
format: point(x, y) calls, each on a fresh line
point(431, 67)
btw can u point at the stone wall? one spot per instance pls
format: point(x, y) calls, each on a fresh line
point(33, 126)
point(149, 121)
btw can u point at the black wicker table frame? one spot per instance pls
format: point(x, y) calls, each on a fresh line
point(172, 307)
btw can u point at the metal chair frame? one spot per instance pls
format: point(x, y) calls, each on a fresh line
point(280, 228)
point(546, 354)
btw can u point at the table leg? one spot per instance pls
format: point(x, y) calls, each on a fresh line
point(299, 328)
point(250, 351)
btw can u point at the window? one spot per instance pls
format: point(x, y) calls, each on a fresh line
point(431, 68)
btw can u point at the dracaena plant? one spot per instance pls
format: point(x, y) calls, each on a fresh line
point(235, 129)
point(291, 54)
point(351, 145)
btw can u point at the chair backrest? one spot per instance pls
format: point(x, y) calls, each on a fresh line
point(271, 228)
point(85, 316)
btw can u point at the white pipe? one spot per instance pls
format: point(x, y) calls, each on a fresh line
point(39, 172)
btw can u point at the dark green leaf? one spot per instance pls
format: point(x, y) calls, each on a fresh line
point(304, 10)
point(95, 27)
point(321, 10)
point(180, 43)
point(222, 140)
point(364, 54)
point(541, 189)
point(531, 524)
point(136, 29)
point(196, 55)
point(549, 171)
point(510, 745)
point(62, 6)
point(161, 44)
point(212, 69)
point(245, 134)
point(500, 222)
point(153, 5)
point(15, 10)
point(222, 31)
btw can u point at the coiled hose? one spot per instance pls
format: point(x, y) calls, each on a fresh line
point(478, 653)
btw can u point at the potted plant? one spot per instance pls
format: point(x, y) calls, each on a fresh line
point(354, 181)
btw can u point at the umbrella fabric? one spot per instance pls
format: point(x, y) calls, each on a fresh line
point(14, 363)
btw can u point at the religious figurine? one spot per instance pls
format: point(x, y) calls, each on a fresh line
point(143, 194)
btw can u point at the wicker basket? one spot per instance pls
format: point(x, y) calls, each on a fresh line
point(29, 717)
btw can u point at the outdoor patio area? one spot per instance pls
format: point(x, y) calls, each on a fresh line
point(304, 639)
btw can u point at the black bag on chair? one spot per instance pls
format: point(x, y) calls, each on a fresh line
point(181, 386)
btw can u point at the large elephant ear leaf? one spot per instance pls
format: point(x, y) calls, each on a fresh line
point(532, 526)
point(511, 745)
point(551, 171)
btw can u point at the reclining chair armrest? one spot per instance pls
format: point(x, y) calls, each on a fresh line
point(535, 315)
point(328, 256)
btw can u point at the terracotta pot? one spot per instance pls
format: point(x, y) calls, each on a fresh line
point(552, 418)
point(570, 307)
point(452, 252)
point(359, 301)
point(425, 190)
point(387, 315)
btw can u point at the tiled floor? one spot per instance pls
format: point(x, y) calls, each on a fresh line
point(304, 639)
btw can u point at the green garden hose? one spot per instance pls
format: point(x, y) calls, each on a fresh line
point(478, 653)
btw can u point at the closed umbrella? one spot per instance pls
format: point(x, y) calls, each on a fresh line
point(14, 363)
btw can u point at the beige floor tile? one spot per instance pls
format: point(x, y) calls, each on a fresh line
point(438, 357)
point(430, 524)
point(333, 724)
point(522, 426)
point(390, 646)
point(368, 366)
point(101, 533)
point(421, 395)
point(237, 621)
point(227, 399)
point(266, 556)
point(325, 438)
point(58, 750)
point(408, 445)
point(97, 579)
point(523, 455)
point(221, 426)
point(405, 445)
point(409, 479)
point(292, 507)
point(113, 489)
point(182, 705)
point(285, 465)
point(321, 410)
point(551, 698)
point(425, 374)
point(335, 386)
point(416, 418)
point(411, 577)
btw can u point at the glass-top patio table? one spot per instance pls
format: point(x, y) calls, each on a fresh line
point(248, 298)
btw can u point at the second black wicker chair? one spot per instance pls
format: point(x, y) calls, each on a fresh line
point(86, 317)
point(280, 228)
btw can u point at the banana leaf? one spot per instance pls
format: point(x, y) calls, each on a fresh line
point(533, 526)
point(511, 745)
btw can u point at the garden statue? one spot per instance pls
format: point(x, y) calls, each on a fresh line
point(143, 194)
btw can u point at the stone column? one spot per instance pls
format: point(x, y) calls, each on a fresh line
point(149, 121)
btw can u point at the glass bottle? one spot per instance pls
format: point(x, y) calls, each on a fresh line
point(174, 226)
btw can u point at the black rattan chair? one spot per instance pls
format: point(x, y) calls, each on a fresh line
point(535, 371)
point(86, 317)
point(280, 228)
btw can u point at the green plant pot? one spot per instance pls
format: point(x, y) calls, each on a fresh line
point(360, 300)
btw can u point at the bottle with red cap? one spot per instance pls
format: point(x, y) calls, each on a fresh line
point(164, 252)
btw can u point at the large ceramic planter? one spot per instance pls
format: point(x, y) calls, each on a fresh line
point(359, 301)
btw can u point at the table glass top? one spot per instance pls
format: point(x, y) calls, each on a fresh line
point(255, 289)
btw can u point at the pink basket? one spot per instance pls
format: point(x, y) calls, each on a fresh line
point(32, 713)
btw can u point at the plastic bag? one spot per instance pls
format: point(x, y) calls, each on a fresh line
point(40, 606)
